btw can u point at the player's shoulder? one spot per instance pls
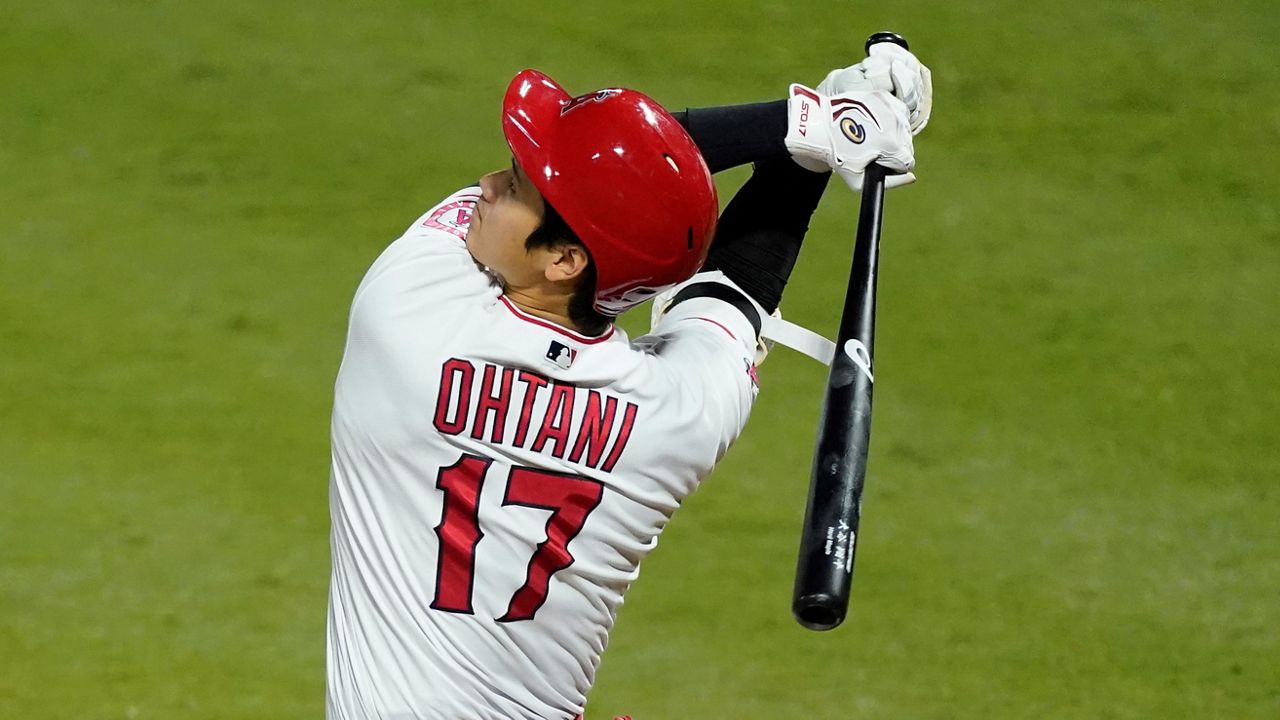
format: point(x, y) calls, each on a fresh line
point(428, 269)
point(440, 231)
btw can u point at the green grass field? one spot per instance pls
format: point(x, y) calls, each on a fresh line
point(1072, 508)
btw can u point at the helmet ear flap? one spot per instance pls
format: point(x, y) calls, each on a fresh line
point(625, 176)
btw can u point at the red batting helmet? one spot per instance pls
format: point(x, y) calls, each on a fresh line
point(623, 174)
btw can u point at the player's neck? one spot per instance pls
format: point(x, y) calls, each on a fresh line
point(551, 306)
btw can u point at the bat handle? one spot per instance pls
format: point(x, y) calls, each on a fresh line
point(886, 36)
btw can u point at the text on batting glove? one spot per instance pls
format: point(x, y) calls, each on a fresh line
point(845, 133)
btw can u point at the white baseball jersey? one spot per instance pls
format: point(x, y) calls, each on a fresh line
point(497, 479)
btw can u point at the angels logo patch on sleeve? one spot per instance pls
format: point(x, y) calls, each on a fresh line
point(452, 217)
point(561, 355)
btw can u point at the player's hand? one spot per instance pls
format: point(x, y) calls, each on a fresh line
point(891, 68)
point(848, 132)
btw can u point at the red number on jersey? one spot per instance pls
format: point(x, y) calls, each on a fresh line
point(459, 532)
point(569, 498)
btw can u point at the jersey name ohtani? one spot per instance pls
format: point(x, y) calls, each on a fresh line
point(478, 401)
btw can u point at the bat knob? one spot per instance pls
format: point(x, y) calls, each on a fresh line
point(886, 36)
point(818, 611)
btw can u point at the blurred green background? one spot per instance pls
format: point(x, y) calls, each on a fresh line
point(1072, 508)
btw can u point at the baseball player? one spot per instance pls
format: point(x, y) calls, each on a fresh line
point(504, 456)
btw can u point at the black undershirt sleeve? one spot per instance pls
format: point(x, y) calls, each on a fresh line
point(759, 234)
point(735, 135)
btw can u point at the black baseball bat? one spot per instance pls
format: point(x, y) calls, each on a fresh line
point(829, 538)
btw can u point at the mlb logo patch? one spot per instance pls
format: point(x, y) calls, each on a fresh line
point(561, 355)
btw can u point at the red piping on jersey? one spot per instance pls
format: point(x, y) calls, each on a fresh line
point(713, 322)
point(552, 326)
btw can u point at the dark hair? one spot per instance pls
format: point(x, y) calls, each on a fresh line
point(553, 231)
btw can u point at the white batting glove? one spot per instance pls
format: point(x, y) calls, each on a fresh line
point(893, 69)
point(846, 133)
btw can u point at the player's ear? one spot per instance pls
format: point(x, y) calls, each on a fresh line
point(569, 261)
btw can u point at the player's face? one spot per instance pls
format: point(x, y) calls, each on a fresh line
point(510, 208)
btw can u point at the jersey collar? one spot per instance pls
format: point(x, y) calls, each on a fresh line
point(547, 324)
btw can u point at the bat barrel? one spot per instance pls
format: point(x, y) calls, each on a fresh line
point(824, 572)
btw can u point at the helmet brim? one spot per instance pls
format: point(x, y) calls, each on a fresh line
point(529, 110)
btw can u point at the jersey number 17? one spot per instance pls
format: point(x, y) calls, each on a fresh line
point(570, 498)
